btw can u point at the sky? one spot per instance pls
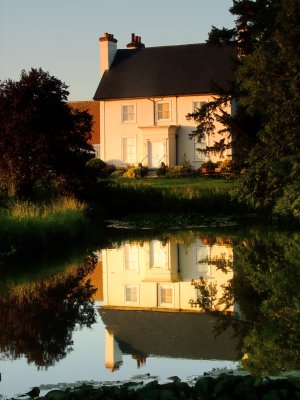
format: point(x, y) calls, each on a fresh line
point(62, 36)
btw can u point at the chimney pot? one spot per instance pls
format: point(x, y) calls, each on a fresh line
point(135, 42)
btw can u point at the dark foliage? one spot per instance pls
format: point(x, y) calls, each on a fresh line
point(40, 318)
point(264, 127)
point(41, 137)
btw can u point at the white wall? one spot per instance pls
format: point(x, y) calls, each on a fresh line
point(145, 128)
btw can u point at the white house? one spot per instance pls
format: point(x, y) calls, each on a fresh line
point(145, 95)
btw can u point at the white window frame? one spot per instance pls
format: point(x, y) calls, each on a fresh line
point(196, 104)
point(133, 114)
point(125, 158)
point(132, 286)
point(97, 150)
point(158, 103)
point(199, 157)
point(161, 302)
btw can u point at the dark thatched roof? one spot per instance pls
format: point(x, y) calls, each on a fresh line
point(167, 71)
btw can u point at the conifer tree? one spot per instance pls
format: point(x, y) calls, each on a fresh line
point(264, 127)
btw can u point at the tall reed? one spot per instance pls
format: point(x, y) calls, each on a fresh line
point(31, 229)
point(121, 198)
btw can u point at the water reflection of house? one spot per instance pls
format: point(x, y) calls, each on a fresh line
point(156, 275)
point(140, 279)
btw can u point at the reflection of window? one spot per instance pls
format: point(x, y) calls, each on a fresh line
point(163, 110)
point(129, 150)
point(131, 257)
point(131, 293)
point(128, 113)
point(166, 295)
point(202, 260)
point(158, 254)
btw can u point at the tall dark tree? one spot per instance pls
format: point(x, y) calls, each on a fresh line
point(40, 135)
point(265, 126)
point(269, 82)
point(221, 36)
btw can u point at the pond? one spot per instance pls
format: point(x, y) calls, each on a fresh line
point(145, 305)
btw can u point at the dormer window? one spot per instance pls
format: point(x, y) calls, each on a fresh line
point(128, 113)
point(163, 110)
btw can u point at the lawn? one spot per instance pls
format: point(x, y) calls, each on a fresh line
point(201, 184)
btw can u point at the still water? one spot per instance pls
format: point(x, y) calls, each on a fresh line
point(155, 306)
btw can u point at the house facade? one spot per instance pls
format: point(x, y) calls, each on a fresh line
point(145, 95)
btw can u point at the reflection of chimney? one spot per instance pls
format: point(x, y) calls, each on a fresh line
point(113, 354)
point(108, 49)
point(135, 43)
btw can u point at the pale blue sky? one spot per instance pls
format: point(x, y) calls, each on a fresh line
point(61, 36)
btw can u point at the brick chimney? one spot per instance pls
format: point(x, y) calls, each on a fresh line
point(108, 49)
point(135, 43)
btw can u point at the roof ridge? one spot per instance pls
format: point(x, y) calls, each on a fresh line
point(177, 45)
point(171, 45)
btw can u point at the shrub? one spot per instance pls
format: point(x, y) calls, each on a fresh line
point(288, 205)
point(209, 165)
point(180, 171)
point(176, 171)
point(136, 172)
point(226, 165)
point(142, 170)
point(94, 166)
point(118, 173)
point(162, 170)
point(44, 190)
point(107, 171)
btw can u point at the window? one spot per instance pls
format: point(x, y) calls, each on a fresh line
point(97, 150)
point(129, 150)
point(166, 295)
point(128, 113)
point(198, 155)
point(163, 111)
point(197, 105)
point(131, 293)
point(131, 258)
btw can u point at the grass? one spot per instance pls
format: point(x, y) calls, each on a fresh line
point(28, 229)
point(181, 195)
point(195, 184)
point(26, 210)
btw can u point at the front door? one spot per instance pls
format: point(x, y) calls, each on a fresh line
point(156, 154)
